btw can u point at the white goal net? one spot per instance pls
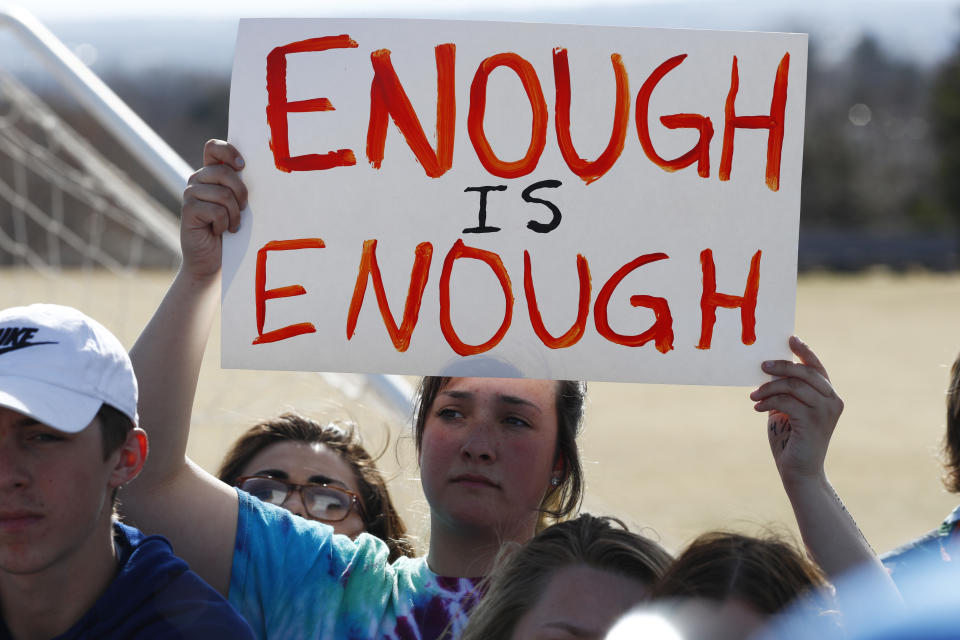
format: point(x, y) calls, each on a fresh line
point(63, 205)
point(77, 229)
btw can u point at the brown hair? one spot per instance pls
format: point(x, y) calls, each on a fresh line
point(951, 440)
point(114, 427)
point(380, 517)
point(520, 578)
point(565, 498)
point(765, 572)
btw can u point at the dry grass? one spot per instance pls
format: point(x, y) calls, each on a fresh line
point(678, 460)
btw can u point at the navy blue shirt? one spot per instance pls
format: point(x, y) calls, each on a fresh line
point(154, 596)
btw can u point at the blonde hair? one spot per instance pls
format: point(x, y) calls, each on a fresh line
point(520, 577)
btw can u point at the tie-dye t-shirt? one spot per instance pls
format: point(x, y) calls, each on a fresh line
point(914, 564)
point(293, 578)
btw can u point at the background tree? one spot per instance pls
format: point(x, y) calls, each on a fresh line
point(945, 116)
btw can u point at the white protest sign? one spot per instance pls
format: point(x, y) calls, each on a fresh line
point(547, 201)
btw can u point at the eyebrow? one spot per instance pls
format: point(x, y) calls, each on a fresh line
point(458, 395)
point(273, 473)
point(26, 422)
point(518, 401)
point(501, 397)
point(317, 479)
point(327, 480)
point(570, 628)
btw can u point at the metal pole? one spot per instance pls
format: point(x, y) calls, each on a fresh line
point(109, 110)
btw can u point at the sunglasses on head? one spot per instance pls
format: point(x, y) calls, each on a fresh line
point(324, 502)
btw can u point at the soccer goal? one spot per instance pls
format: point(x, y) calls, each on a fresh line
point(76, 229)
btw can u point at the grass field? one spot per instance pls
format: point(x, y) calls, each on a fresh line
point(676, 460)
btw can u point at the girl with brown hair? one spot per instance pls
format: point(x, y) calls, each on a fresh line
point(320, 472)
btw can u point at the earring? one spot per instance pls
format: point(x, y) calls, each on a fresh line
point(555, 481)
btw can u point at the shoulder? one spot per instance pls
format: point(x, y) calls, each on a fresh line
point(927, 545)
point(912, 564)
point(155, 595)
point(273, 539)
point(139, 552)
point(267, 529)
point(951, 524)
point(291, 575)
point(276, 554)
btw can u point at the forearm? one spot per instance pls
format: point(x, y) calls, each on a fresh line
point(836, 543)
point(828, 530)
point(167, 358)
point(173, 496)
point(803, 411)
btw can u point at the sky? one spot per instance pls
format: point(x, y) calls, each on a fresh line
point(200, 33)
point(92, 9)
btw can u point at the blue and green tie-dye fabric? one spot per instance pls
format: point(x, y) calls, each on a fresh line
point(914, 565)
point(293, 578)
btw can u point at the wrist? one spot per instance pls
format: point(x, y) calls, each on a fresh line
point(799, 481)
point(197, 278)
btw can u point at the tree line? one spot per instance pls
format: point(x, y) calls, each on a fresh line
point(881, 140)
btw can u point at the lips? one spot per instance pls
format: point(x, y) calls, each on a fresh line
point(14, 521)
point(474, 479)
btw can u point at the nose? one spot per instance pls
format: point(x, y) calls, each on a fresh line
point(13, 474)
point(480, 444)
point(294, 504)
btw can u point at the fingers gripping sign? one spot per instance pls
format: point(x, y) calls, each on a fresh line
point(212, 202)
point(803, 412)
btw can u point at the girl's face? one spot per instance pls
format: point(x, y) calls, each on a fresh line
point(488, 452)
point(579, 603)
point(303, 463)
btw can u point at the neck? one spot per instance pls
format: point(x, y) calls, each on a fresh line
point(46, 603)
point(468, 552)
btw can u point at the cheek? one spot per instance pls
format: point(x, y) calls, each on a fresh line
point(531, 463)
point(437, 449)
point(534, 451)
point(438, 454)
point(351, 527)
point(77, 495)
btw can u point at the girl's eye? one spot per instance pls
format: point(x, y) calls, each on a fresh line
point(449, 414)
point(517, 421)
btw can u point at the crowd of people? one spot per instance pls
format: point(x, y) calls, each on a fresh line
point(296, 536)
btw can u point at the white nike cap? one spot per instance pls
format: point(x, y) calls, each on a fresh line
point(58, 366)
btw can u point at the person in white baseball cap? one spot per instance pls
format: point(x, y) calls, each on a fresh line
point(59, 367)
point(68, 440)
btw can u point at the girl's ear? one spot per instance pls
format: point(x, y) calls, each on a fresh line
point(133, 453)
point(559, 468)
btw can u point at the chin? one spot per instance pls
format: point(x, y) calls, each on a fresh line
point(495, 521)
point(22, 562)
point(473, 514)
point(350, 533)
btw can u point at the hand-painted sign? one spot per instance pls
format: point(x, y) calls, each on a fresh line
point(439, 197)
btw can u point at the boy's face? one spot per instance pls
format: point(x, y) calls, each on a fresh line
point(54, 492)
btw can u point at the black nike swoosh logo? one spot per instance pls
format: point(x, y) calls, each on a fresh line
point(23, 346)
